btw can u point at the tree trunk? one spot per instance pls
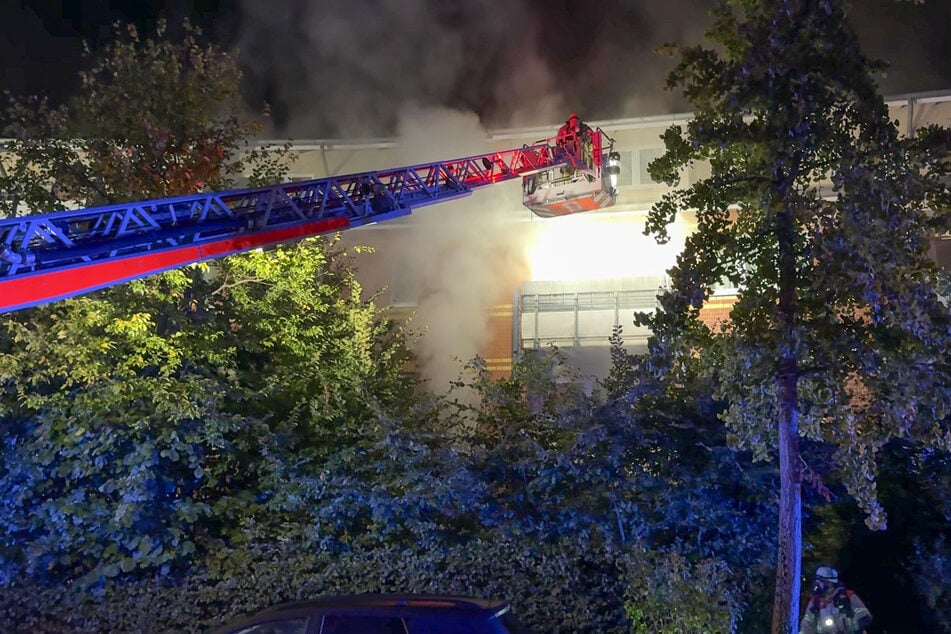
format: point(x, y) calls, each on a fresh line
point(789, 551)
point(788, 566)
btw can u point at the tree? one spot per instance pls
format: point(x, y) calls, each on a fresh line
point(148, 423)
point(144, 430)
point(154, 117)
point(820, 213)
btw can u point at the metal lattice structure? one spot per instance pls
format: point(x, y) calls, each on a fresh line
point(62, 254)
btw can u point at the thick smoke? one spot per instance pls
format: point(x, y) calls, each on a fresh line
point(414, 68)
point(332, 68)
point(347, 67)
point(457, 251)
point(912, 39)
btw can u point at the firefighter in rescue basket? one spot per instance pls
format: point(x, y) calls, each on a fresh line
point(586, 179)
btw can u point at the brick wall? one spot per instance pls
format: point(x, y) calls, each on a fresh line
point(717, 310)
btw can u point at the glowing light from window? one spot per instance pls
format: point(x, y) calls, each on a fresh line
point(583, 247)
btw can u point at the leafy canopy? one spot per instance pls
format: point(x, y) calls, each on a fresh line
point(145, 424)
point(820, 213)
point(789, 120)
point(153, 117)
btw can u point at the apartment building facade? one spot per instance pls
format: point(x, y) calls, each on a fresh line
point(484, 276)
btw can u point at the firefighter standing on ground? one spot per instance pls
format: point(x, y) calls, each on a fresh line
point(833, 609)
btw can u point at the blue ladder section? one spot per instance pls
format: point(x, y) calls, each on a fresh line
point(56, 255)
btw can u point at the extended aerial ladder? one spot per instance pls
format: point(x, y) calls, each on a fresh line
point(52, 256)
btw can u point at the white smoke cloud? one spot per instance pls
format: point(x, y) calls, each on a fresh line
point(457, 251)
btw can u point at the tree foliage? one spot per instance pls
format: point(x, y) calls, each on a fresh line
point(146, 427)
point(145, 424)
point(671, 595)
point(820, 213)
point(537, 460)
point(153, 117)
point(493, 496)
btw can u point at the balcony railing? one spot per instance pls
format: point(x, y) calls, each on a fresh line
point(584, 318)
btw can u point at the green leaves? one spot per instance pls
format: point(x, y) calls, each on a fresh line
point(815, 210)
point(172, 407)
point(787, 109)
point(145, 424)
point(154, 117)
point(669, 595)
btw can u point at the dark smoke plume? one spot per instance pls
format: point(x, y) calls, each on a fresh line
point(343, 68)
point(347, 67)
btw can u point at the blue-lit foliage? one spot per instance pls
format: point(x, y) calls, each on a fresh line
point(524, 484)
point(820, 212)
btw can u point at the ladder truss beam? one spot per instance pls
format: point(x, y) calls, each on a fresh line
point(66, 253)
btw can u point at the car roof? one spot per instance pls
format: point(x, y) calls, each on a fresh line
point(412, 602)
point(396, 605)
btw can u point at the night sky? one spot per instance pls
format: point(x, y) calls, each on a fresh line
point(347, 67)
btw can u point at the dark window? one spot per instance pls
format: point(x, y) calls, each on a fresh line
point(334, 624)
point(447, 625)
point(284, 626)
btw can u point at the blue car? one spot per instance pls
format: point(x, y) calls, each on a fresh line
point(381, 614)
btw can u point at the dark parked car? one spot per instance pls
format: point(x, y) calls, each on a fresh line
point(381, 614)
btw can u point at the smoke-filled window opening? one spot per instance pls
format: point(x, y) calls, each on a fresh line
point(644, 158)
point(404, 287)
point(626, 175)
